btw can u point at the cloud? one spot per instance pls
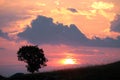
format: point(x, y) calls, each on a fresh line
point(57, 2)
point(86, 51)
point(6, 18)
point(44, 31)
point(10, 14)
point(102, 5)
point(105, 9)
point(4, 35)
point(72, 10)
point(115, 24)
point(107, 42)
point(2, 48)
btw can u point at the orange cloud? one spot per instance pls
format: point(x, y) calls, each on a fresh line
point(105, 9)
point(40, 4)
point(102, 5)
point(57, 2)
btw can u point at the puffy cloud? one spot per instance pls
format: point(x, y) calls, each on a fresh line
point(72, 10)
point(44, 31)
point(115, 24)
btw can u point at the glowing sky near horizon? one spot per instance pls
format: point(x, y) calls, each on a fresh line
point(92, 18)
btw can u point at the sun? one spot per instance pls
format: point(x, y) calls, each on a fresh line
point(68, 61)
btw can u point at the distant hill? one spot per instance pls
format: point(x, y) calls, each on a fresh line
point(1, 77)
point(102, 72)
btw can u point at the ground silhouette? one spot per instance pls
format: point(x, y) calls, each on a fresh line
point(101, 72)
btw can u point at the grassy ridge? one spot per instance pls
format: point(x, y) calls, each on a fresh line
point(103, 72)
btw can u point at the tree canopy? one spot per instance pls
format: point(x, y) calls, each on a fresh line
point(33, 56)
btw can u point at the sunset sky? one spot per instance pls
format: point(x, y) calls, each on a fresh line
point(71, 32)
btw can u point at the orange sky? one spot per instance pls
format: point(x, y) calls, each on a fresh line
point(93, 17)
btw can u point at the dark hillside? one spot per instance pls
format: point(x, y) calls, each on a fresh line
point(103, 72)
point(1, 77)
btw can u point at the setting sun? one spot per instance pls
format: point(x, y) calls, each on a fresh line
point(68, 61)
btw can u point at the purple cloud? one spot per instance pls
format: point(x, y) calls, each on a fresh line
point(44, 31)
point(72, 10)
point(115, 24)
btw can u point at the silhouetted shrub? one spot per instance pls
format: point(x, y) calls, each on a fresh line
point(33, 56)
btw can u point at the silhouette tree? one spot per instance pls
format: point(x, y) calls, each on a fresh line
point(33, 56)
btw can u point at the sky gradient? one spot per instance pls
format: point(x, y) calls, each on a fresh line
point(85, 30)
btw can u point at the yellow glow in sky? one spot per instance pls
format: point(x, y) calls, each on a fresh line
point(68, 61)
point(102, 5)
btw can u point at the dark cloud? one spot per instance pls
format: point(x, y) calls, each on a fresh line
point(44, 31)
point(4, 35)
point(107, 42)
point(72, 10)
point(115, 24)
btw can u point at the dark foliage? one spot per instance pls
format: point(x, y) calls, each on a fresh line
point(33, 56)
